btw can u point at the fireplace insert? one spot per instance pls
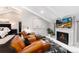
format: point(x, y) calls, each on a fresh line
point(63, 37)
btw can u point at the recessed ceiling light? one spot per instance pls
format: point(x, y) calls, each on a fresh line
point(42, 11)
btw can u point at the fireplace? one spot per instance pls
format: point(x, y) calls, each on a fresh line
point(63, 37)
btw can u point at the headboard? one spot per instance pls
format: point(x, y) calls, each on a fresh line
point(12, 30)
point(6, 25)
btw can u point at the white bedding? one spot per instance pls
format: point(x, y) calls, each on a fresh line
point(4, 32)
point(6, 39)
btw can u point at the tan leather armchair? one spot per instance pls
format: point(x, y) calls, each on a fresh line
point(34, 47)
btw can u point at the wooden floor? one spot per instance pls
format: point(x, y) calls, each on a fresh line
point(6, 48)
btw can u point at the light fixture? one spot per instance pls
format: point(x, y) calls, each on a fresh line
point(42, 11)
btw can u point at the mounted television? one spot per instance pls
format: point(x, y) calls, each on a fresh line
point(58, 22)
point(64, 23)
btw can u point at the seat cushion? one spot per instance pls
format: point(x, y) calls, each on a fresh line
point(32, 38)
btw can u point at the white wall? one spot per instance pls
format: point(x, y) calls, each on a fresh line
point(35, 23)
point(11, 17)
point(52, 25)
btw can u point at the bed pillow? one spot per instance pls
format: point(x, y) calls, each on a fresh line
point(7, 29)
point(4, 32)
point(1, 28)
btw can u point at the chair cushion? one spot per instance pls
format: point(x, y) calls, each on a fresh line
point(32, 38)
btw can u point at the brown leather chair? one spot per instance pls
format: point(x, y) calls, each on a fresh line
point(34, 47)
point(37, 46)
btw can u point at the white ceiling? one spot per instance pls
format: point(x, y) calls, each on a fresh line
point(49, 13)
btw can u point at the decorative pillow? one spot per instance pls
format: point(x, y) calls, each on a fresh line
point(7, 29)
point(1, 28)
point(4, 32)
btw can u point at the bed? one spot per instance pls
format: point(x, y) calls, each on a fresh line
point(5, 29)
point(6, 35)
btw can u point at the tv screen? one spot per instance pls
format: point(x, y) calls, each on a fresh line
point(58, 22)
point(65, 20)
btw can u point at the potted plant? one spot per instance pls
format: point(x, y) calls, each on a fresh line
point(50, 32)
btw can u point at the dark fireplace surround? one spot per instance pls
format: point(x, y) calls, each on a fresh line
point(62, 37)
